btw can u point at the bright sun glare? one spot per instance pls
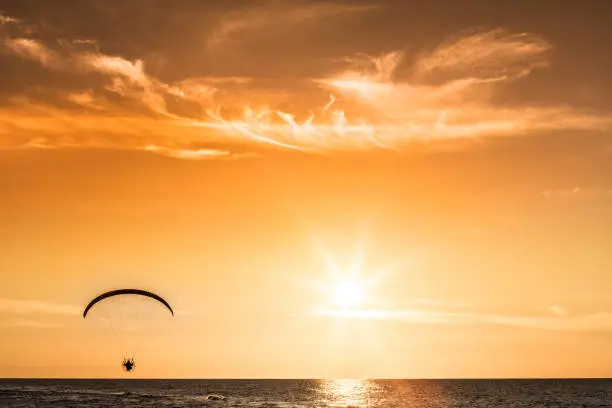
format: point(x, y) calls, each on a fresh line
point(350, 286)
point(347, 294)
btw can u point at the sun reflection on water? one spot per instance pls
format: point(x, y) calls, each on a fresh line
point(345, 392)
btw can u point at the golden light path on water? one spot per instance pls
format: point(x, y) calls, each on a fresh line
point(346, 392)
point(353, 393)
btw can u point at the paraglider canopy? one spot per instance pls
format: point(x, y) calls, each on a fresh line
point(127, 292)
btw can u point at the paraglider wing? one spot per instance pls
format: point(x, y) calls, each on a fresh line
point(127, 292)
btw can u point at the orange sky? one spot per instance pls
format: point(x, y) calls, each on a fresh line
point(236, 158)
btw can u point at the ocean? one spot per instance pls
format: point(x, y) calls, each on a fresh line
point(306, 393)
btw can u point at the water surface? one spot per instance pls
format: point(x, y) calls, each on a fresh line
point(306, 393)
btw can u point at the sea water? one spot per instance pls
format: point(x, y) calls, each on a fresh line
point(306, 393)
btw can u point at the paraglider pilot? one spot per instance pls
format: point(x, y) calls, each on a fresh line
point(128, 364)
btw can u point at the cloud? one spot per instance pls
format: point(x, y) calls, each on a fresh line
point(32, 324)
point(496, 55)
point(375, 103)
point(590, 322)
point(459, 105)
point(267, 18)
point(8, 20)
point(562, 192)
point(35, 50)
point(578, 193)
point(557, 310)
point(128, 78)
point(440, 303)
point(115, 66)
point(30, 125)
point(200, 153)
point(14, 306)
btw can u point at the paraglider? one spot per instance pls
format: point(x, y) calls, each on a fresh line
point(128, 364)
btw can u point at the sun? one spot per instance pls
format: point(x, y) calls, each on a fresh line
point(348, 286)
point(347, 294)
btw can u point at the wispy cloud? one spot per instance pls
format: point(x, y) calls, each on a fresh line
point(577, 193)
point(561, 192)
point(375, 103)
point(559, 322)
point(496, 55)
point(266, 18)
point(441, 303)
point(557, 310)
point(31, 324)
point(18, 306)
point(8, 20)
point(468, 72)
point(200, 154)
point(34, 50)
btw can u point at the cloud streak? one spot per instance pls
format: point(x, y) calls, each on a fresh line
point(376, 103)
point(34, 50)
point(267, 18)
point(558, 322)
point(8, 20)
point(14, 306)
point(557, 310)
point(440, 303)
point(494, 55)
point(32, 324)
point(577, 193)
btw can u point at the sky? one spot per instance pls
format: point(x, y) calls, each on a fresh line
point(320, 189)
